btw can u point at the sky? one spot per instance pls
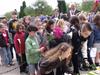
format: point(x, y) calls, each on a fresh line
point(10, 5)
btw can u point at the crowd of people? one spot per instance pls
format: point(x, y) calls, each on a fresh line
point(31, 37)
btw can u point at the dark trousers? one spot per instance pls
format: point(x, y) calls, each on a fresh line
point(22, 62)
point(11, 49)
point(75, 62)
point(61, 70)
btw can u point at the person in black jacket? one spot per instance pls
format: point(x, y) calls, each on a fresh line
point(78, 40)
point(12, 24)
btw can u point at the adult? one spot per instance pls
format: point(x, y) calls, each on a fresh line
point(97, 37)
point(72, 10)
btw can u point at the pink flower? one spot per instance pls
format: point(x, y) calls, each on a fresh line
point(58, 32)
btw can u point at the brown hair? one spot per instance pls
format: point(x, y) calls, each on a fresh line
point(49, 23)
point(74, 20)
point(14, 13)
point(32, 28)
point(82, 17)
point(86, 25)
point(97, 19)
point(29, 18)
point(19, 25)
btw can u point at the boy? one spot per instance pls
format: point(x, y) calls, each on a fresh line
point(33, 51)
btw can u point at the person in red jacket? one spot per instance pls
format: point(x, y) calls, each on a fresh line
point(19, 42)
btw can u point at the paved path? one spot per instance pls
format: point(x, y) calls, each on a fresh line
point(15, 70)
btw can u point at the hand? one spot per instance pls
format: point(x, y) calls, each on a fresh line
point(19, 54)
point(42, 49)
point(86, 62)
point(8, 44)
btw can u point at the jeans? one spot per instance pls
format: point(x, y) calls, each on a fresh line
point(6, 55)
point(32, 68)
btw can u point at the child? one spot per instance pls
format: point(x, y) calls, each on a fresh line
point(19, 42)
point(33, 52)
point(5, 46)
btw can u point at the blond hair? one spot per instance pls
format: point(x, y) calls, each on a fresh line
point(60, 23)
point(54, 53)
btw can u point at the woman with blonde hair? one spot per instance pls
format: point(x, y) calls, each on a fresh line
point(60, 23)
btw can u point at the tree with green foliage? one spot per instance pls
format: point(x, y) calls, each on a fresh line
point(62, 6)
point(22, 8)
point(29, 11)
point(87, 6)
point(8, 15)
point(42, 7)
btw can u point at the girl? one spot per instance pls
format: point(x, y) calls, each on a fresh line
point(5, 46)
point(26, 21)
point(19, 42)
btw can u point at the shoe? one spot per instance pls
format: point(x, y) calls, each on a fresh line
point(12, 64)
point(97, 64)
point(82, 69)
point(7, 65)
point(24, 72)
